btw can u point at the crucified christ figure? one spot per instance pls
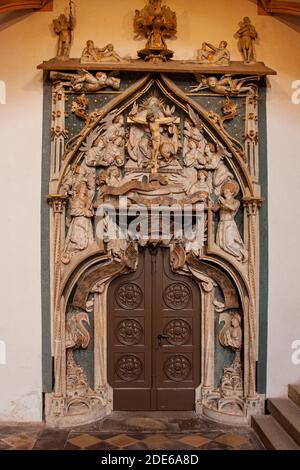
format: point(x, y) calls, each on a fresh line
point(154, 125)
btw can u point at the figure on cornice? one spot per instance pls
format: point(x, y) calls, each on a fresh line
point(228, 235)
point(217, 55)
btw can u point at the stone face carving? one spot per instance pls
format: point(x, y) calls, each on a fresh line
point(217, 55)
point(84, 81)
point(228, 236)
point(92, 54)
point(226, 85)
point(247, 34)
point(63, 27)
point(155, 22)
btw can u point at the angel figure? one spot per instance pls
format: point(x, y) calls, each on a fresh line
point(228, 235)
point(226, 85)
point(247, 34)
point(63, 27)
point(85, 81)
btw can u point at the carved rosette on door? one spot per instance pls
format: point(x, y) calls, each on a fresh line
point(154, 337)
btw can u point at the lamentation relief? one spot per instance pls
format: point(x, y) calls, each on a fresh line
point(125, 142)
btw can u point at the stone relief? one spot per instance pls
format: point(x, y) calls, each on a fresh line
point(228, 236)
point(64, 27)
point(216, 55)
point(231, 336)
point(153, 151)
point(225, 85)
point(155, 22)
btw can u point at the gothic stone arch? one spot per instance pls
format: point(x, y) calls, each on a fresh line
point(152, 139)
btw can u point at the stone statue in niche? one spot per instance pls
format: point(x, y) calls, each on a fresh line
point(154, 136)
point(228, 235)
point(155, 22)
point(77, 337)
point(247, 34)
point(92, 54)
point(84, 81)
point(214, 161)
point(231, 336)
point(216, 55)
point(81, 187)
point(106, 146)
point(64, 27)
point(226, 85)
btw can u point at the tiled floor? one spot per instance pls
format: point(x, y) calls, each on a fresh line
point(132, 431)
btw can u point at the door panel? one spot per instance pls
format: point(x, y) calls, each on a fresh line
point(129, 339)
point(177, 319)
point(154, 337)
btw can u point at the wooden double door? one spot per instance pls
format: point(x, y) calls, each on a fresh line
point(154, 337)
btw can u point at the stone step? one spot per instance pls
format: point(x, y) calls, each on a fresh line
point(294, 394)
point(271, 434)
point(287, 414)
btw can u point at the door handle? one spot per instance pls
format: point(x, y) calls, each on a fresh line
point(162, 338)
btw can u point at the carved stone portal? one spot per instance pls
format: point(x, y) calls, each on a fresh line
point(154, 140)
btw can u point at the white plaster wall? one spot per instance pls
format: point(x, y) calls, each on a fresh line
point(28, 41)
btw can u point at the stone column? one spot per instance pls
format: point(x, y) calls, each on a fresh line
point(252, 205)
point(57, 203)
